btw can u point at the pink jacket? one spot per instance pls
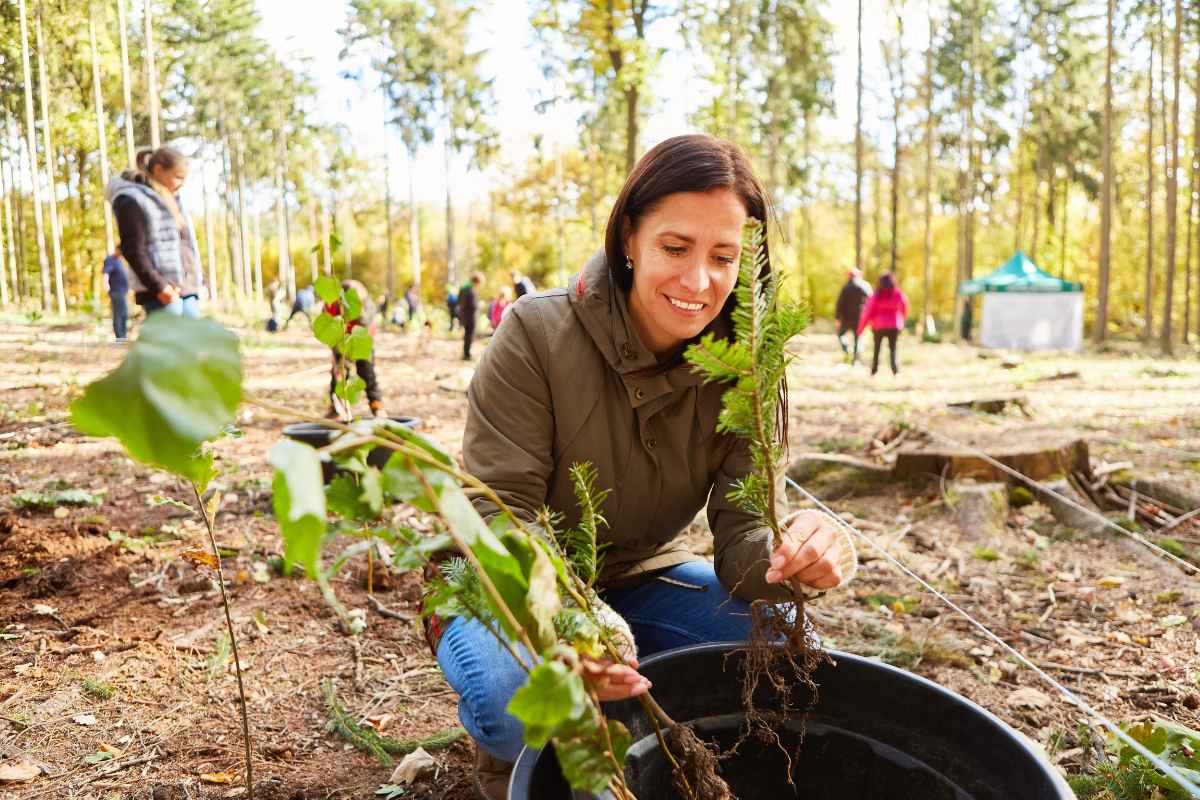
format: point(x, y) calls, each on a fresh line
point(885, 310)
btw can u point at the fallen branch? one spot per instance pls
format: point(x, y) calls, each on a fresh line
point(384, 611)
point(369, 740)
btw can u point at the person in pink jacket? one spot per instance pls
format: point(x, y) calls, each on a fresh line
point(885, 312)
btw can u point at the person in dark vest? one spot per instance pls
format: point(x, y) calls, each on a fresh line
point(521, 285)
point(452, 305)
point(157, 238)
point(365, 367)
point(468, 307)
point(117, 284)
point(850, 304)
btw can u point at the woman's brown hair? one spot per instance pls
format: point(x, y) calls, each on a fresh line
point(691, 163)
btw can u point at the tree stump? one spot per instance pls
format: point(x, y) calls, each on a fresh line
point(1036, 454)
point(980, 508)
point(1065, 514)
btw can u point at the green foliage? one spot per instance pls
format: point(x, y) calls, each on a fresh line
point(99, 689)
point(28, 498)
point(178, 387)
point(1126, 775)
point(299, 501)
point(371, 741)
point(579, 544)
point(985, 554)
point(554, 697)
point(756, 365)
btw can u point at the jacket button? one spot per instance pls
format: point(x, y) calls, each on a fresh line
point(638, 394)
point(628, 352)
point(651, 444)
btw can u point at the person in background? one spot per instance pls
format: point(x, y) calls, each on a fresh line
point(306, 298)
point(849, 309)
point(157, 238)
point(468, 307)
point(384, 304)
point(521, 285)
point(885, 312)
point(968, 318)
point(499, 306)
point(277, 299)
point(365, 367)
point(413, 302)
point(116, 282)
point(452, 305)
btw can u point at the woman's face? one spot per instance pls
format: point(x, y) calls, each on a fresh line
point(685, 255)
point(172, 178)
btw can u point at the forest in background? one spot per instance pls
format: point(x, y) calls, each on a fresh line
point(1065, 128)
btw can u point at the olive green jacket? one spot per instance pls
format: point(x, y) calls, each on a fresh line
point(566, 379)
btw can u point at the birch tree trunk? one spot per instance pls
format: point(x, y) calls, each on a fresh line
point(1148, 310)
point(1101, 331)
point(31, 147)
point(51, 169)
point(1172, 140)
point(858, 146)
point(927, 249)
point(209, 237)
point(414, 226)
point(101, 134)
point(151, 75)
point(126, 88)
point(387, 215)
point(451, 262)
point(257, 258)
point(14, 236)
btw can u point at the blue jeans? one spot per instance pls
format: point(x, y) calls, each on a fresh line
point(186, 306)
point(120, 313)
point(662, 616)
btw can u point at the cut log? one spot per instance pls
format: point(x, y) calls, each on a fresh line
point(980, 508)
point(1037, 456)
point(833, 476)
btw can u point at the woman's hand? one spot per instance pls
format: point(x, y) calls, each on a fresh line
point(168, 295)
point(614, 681)
point(809, 553)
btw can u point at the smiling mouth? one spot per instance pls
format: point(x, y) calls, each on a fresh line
point(682, 306)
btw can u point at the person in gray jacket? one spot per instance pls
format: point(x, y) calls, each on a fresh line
point(850, 304)
point(157, 238)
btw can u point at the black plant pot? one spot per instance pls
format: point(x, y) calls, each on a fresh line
point(318, 435)
point(876, 733)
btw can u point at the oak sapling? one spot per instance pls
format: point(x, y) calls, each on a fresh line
point(780, 649)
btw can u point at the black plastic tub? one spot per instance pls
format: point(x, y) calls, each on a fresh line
point(876, 733)
point(318, 435)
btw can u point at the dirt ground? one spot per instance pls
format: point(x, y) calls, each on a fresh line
point(115, 677)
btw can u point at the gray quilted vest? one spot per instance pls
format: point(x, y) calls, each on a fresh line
point(162, 232)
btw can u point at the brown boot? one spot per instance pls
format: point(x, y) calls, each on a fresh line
point(491, 775)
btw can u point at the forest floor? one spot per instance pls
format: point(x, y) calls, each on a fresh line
point(115, 677)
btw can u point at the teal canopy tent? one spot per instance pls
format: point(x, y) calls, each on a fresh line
point(1018, 274)
point(1025, 308)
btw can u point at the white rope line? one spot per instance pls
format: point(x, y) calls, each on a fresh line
point(1066, 693)
point(1188, 568)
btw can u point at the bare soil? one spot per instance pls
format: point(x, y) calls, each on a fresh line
point(99, 596)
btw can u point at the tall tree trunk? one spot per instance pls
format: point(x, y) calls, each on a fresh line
point(414, 225)
point(151, 74)
point(236, 269)
point(256, 258)
point(927, 249)
point(806, 208)
point(285, 243)
point(1148, 309)
point(51, 168)
point(326, 256)
point(451, 262)
point(243, 220)
point(1101, 331)
point(15, 206)
point(876, 214)
point(1192, 195)
point(31, 146)
point(315, 236)
point(209, 239)
point(972, 150)
point(126, 87)
point(858, 145)
point(7, 189)
point(897, 99)
point(559, 224)
point(1066, 228)
point(1037, 207)
point(387, 215)
point(101, 133)
point(1172, 188)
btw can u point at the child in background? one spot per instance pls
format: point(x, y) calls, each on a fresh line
point(365, 367)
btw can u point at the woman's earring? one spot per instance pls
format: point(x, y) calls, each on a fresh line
point(629, 263)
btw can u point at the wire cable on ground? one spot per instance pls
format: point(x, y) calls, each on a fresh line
point(1191, 788)
point(1188, 568)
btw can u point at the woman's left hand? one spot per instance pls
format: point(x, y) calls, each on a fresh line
point(809, 553)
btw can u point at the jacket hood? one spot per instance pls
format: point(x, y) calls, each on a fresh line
point(123, 183)
point(602, 309)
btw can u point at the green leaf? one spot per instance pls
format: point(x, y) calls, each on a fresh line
point(299, 503)
point(350, 389)
point(414, 438)
point(98, 757)
point(358, 344)
point(329, 330)
point(401, 480)
point(344, 497)
point(206, 470)
point(178, 387)
point(328, 288)
point(583, 755)
point(413, 549)
point(353, 305)
point(335, 243)
point(552, 697)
